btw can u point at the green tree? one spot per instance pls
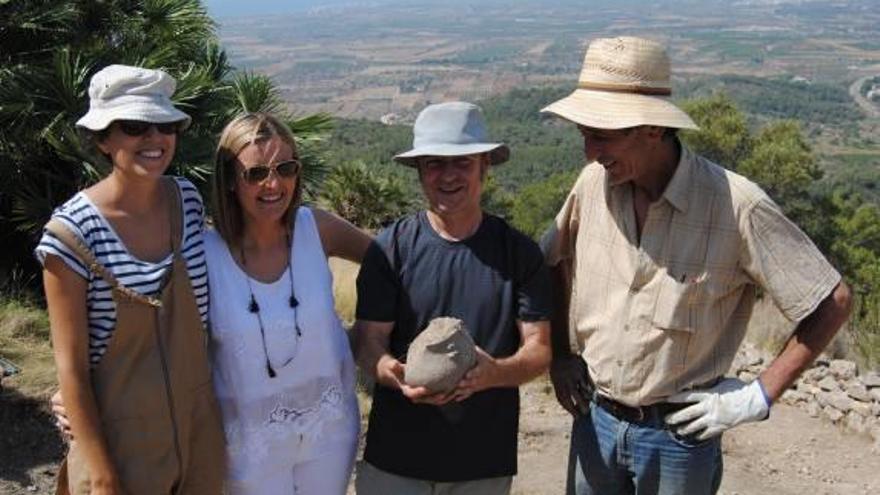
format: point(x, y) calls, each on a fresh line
point(49, 49)
point(781, 161)
point(724, 135)
point(537, 204)
point(494, 199)
point(364, 196)
point(856, 251)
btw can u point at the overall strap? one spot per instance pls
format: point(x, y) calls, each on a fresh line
point(75, 244)
point(175, 212)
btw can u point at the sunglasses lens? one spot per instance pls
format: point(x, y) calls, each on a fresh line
point(288, 169)
point(133, 127)
point(139, 128)
point(168, 127)
point(258, 173)
point(255, 175)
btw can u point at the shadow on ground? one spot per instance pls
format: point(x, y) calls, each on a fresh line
point(28, 438)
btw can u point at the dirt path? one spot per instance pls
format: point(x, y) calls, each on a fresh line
point(855, 91)
point(790, 454)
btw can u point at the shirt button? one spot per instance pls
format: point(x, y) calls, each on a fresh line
point(626, 327)
point(620, 362)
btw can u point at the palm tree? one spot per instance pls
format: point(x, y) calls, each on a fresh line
point(49, 49)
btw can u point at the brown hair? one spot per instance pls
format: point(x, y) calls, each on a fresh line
point(243, 131)
point(89, 140)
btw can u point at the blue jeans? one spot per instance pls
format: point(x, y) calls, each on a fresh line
point(613, 457)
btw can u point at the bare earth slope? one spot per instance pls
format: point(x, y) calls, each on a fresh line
point(791, 453)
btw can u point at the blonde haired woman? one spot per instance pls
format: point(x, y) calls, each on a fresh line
point(282, 367)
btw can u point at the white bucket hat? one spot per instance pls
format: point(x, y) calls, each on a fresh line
point(122, 92)
point(452, 129)
point(624, 83)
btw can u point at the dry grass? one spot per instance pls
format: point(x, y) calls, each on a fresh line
point(344, 290)
point(24, 334)
point(24, 340)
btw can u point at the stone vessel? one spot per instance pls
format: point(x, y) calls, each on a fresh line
point(440, 355)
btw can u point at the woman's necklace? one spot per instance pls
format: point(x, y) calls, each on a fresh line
point(254, 307)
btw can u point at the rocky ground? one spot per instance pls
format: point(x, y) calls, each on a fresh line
point(791, 453)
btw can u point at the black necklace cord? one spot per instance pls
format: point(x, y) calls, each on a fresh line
point(294, 303)
point(254, 306)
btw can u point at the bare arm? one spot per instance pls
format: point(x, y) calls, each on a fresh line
point(340, 238)
point(66, 299)
point(529, 361)
point(568, 371)
point(809, 339)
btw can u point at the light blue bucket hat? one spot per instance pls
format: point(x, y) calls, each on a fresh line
point(454, 128)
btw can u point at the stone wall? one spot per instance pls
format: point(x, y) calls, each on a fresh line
point(832, 389)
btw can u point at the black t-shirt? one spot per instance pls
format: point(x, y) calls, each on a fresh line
point(490, 280)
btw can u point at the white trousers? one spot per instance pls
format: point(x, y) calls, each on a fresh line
point(327, 474)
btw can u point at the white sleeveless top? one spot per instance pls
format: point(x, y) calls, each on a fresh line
point(310, 406)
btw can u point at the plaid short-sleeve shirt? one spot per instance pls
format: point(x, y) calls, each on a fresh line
point(668, 313)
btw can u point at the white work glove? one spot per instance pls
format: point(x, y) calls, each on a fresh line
point(719, 408)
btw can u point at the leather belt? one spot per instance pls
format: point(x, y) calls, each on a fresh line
point(639, 413)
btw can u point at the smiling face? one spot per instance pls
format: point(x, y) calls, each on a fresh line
point(623, 152)
point(267, 200)
point(452, 184)
point(147, 155)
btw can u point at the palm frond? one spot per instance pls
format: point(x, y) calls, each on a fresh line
point(254, 92)
point(311, 127)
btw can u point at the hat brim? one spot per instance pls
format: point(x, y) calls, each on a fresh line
point(98, 119)
point(498, 152)
point(613, 110)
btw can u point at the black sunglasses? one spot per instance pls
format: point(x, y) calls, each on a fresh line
point(136, 128)
point(258, 173)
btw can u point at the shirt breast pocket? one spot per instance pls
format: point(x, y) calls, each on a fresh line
point(682, 298)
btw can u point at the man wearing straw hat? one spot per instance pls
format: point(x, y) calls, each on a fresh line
point(660, 253)
point(451, 260)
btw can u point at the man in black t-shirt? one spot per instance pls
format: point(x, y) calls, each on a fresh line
point(451, 260)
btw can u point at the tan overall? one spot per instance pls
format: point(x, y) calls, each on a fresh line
point(153, 387)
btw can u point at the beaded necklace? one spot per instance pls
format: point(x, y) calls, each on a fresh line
point(254, 307)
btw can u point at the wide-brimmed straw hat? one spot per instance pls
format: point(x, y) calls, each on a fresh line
point(122, 92)
point(624, 82)
point(454, 128)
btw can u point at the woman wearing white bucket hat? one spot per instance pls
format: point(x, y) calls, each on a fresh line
point(125, 281)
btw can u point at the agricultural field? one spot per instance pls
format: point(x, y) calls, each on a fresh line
point(366, 60)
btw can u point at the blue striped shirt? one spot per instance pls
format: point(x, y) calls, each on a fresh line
point(87, 223)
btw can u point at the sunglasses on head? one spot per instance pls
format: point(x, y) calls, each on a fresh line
point(258, 173)
point(136, 128)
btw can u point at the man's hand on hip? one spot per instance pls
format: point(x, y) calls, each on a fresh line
point(719, 408)
point(572, 384)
